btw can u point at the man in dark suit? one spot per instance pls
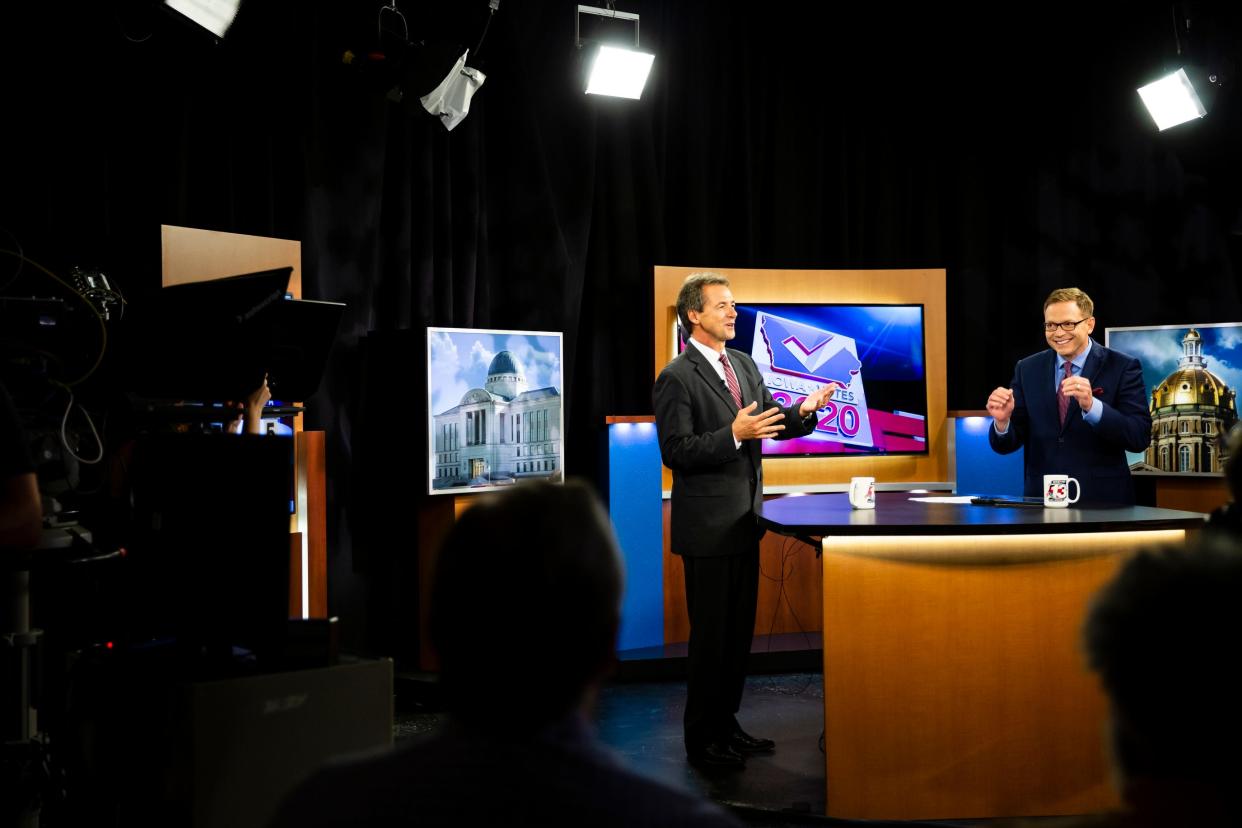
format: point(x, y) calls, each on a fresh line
point(525, 606)
point(712, 410)
point(1076, 408)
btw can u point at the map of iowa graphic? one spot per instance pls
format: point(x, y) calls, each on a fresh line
point(804, 351)
point(795, 349)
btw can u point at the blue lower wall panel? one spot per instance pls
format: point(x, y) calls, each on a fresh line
point(635, 506)
point(979, 469)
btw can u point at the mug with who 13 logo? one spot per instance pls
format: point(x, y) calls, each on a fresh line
point(1056, 491)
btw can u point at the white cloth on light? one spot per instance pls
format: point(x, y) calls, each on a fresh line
point(450, 101)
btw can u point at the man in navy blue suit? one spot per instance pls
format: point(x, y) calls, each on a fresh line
point(1076, 409)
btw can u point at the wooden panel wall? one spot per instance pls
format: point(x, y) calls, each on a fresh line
point(1191, 494)
point(311, 459)
point(190, 254)
point(790, 598)
point(436, 518)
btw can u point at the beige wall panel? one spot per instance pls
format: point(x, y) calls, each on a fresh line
point(189, 254)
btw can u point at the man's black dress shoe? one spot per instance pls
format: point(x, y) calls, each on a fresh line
point(716, 756)
point(743, 743)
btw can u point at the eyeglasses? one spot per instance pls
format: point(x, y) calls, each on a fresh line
point(1049, 327)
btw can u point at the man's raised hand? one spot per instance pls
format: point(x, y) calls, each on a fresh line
point(747, 426)
point(1000, 407)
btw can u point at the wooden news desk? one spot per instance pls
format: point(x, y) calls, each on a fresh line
point(955, 684)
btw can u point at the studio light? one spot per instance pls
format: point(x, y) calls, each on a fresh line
point(1189, 92)
point(621, 73)
point(612, 68)
point(213, 15)
point(1172, 100)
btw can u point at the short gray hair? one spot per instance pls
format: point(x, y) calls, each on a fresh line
point(690, 297)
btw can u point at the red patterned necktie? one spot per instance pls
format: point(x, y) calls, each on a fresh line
point(1062, 400)
point(731, 380)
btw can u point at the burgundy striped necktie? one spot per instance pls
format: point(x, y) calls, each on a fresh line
point(731, 380)
point(1062, 400)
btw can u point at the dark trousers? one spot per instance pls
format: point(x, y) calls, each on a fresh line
point(721, 593)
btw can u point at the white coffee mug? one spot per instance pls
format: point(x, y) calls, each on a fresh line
point(862, 492)
point(1056, 491)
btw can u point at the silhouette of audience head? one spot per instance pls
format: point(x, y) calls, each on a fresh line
point(1233, 466)
point(526, 604)
point(1227, 518)
point(1164, 637)
point(524, 613)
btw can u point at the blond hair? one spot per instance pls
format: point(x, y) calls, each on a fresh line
point(1072, 294)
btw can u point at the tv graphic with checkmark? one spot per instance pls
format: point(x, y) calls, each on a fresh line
point(794, 351)
point(876, 354)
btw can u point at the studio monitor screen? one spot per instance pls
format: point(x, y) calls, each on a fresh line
point(876, 352)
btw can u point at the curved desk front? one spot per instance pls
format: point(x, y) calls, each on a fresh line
point(954, 681)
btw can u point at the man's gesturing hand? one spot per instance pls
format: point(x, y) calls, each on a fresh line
point(747, 426)
point(1000, 406)
point(819, 398)
point(1080, 389)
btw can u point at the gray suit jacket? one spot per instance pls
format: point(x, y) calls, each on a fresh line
point(716, 487)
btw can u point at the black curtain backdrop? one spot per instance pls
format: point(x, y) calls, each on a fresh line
point(1010, 149)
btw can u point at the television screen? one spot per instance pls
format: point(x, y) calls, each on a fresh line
point(1192, 374)
point(875, 351)
point(494, 408)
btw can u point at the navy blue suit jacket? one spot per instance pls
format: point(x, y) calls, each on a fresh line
point(1094, 454)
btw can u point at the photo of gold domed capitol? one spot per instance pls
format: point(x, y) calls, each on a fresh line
point(1191, 373)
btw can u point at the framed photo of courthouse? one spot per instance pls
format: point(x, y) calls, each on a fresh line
point(495, 408)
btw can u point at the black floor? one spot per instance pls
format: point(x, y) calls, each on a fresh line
point(641, 721)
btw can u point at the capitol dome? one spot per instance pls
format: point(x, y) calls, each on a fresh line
point(505, 376)
point(504, 363)
point(1191, 410)
point(1192, 383)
